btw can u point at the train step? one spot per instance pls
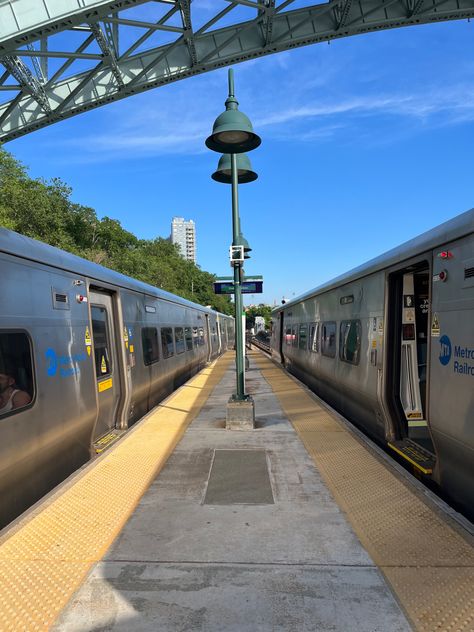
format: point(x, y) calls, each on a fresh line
point(420, 458)
point(105, 441)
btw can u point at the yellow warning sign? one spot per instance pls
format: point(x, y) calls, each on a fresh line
point(132, 348)
point(88, 351)
point(103, 365)
point(435, 331)
point(105, 385)
point(87, 338)
point(125, 336)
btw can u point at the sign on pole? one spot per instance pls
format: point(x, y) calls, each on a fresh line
point(250, 285)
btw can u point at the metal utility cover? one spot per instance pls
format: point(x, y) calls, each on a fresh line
point(239, 477)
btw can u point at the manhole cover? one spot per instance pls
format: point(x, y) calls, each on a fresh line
point(239, 477)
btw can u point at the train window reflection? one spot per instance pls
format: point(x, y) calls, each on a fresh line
point(150, 345)
point(294, 336)
point(16, 372)
point(189, 338)
point(179, 339)
point(349, 347)
point(100, 331)
point(288, 336)
point(195, 336)
point(328, 339)
point(314, 338)
point(167, 342)
point(202, 339)
point(303, 337)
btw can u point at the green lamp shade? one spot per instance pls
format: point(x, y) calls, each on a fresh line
point(244, 170)
point(232, 133)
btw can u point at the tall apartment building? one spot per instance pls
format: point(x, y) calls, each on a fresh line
point(183, 233)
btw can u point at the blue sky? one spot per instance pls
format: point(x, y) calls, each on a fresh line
point(366, 143)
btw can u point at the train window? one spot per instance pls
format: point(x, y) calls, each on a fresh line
point(16, 372)
point(328, 339)
point(303, 337)
point(150, 345)
point(314, 338)
point(189, 338)
point(294, 336)
point(349, 345)
point(195, 336)
point(202, 339)
point(100, 331)
point(179, 339)
point(167, 346)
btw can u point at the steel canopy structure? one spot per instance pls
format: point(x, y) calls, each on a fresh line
point(64, 57)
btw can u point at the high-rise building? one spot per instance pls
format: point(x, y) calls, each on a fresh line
point(183, 233)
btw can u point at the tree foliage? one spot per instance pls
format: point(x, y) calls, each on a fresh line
point(44, 210)
point(258, 310)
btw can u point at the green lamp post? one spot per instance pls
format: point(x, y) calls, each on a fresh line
point(232, 135)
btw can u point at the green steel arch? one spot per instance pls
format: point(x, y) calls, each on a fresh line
point(64, 57)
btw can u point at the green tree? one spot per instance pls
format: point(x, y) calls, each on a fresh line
point(44, 210)
point(258, 310)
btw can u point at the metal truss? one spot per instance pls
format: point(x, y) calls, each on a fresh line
point(59, 62)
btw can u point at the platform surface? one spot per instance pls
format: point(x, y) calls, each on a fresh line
point(184, 564)
point(163, 542)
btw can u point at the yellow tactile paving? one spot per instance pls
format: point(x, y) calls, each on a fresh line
point(43, 563)
point(429, 565)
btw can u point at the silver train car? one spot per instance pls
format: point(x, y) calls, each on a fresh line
point(84, 353)
point(390, 345)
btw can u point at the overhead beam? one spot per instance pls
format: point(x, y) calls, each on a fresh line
point(29, 20)
point(273, 28)
point(108, 53)
point(27, 81)
point(188, 35)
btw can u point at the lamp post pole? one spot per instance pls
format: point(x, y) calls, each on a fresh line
point(239, 334)
point(233, 135)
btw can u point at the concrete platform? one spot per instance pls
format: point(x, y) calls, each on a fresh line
point(183, 564)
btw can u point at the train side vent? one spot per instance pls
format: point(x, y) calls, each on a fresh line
point(60, 299)
point(468, 273)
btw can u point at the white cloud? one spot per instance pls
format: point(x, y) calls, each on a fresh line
point(320, 100)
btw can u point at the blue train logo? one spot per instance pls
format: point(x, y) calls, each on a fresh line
point(445, 351)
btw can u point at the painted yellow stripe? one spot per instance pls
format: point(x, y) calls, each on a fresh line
point(425, 557)
point(407, 458)
point(105, 385)
point(45, 560)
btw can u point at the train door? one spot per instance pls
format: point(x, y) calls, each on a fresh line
point(413, 347)
point(409, 307)
point(104, 341)
point(280, 341)
point(209, 339)
point(219, 341)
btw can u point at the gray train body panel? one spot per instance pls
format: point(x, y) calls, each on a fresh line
point(413, 377)
point(78, 395)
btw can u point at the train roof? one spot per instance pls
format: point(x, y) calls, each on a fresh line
point(33, 250)
point(451, 230)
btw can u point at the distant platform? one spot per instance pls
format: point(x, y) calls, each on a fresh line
point(183, 525)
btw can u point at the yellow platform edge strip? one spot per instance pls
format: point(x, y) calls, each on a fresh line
point(427, 562)
point(46, 559)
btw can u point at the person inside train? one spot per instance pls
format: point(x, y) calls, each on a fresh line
point(11, 396)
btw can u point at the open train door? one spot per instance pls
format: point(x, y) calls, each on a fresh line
point(407, 367)
point(107, 370)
